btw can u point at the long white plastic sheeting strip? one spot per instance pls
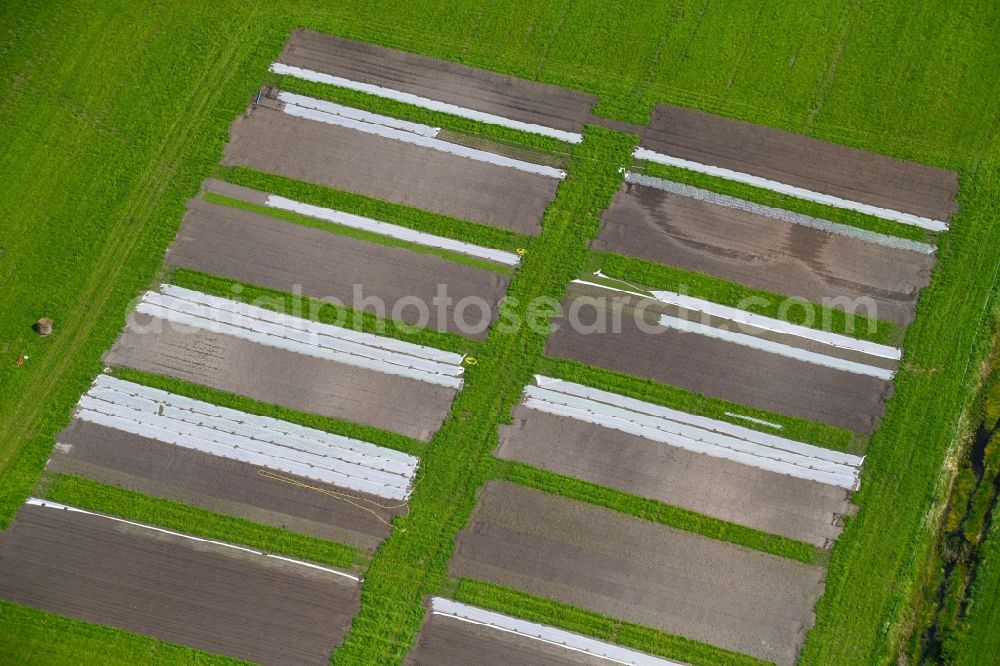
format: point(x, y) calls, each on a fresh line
point(775, 348)
point(778, 326)
point(241, 321)
point(131, 408)
point(246, 320)
point(425, 102)
point(305, 107)
point(703, 422)
point(351, 113)
point(791, 190)
point(253, 424)
point(392, 230)
point(34, 501)
point(368, 339)
point(692, 439)
point(752, 419)
point(767, 323)
point(574, 642)
point(779, 213)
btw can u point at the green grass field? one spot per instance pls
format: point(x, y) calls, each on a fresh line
point(112, 113)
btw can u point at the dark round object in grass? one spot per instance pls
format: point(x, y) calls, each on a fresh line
point(43, 327)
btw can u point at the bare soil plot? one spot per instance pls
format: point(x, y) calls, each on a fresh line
point(775, 503)
point(440, 80)
point(723, 369)
point(213, 598)
point(219, 484)
point(346, 159)
point(408, 406)
point(262, 250)
point(763, 252)
point(621, 566)
point(802, 161)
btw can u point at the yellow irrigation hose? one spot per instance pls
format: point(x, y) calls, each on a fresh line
point(268, 474)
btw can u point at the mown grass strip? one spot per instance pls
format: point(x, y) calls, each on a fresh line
point(417, 114)
point(319, 310)
point(30, 637)
point(538, 609)
point(360, 234)
point(357, 204)
point(768, 198)
point(801, 430)
point(412, 562)
point(94, 496)
point(654, 511)
point(250, 406)
point(652, 276)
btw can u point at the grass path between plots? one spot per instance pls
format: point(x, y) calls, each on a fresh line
point(412, 563)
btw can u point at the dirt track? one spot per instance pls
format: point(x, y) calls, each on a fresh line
point(640, 572)
point(440, 80)
point(729, 371)
point(757, 498)
point(215, 483)
point(445, 641)
point(346, 159)
point(209, 597)
point(802, 161)
point(762, 252)
point(407, 406)
point(258, 249)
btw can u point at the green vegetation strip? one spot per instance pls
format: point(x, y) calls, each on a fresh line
point(637, 637)
point(655, 511)
point(648, 390)
point(360, 234)
point(768, 198)
point(977, 640)
point(114, 501)
point(319, 310)
point(960, 551)
point(654, 276)
point(395, 109)
point(30, 637)
point(233, 401)
point(412, 562)
point(874, 569)
point(357, 204)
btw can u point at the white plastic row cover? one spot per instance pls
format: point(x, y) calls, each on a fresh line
point(424, 102)
point(738, 316)
point(694, 433)
point(778, 348)
point(741, 317)
point(360, 337)
point(257, 440)
point(350, 113)
point(326, 112)
point(777, 325)
point(791, 190)
point(392, 230)
point(266, 327)
point(260, 427)
point(34, 501)
point(558, 637)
